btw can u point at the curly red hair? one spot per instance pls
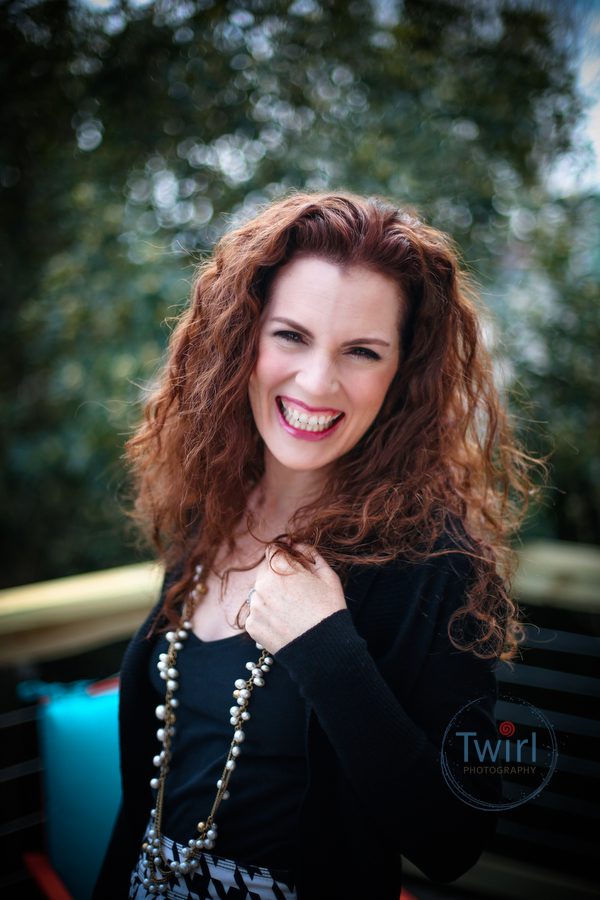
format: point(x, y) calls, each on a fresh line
point(443, 461)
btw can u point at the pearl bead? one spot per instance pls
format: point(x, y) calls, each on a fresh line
point(160, 712)
point(170, 636)
point(174, 702)
point(233, 721)
point(241, 701)
point(249, 666)
point(265, 668)
point(200, 844)
point(245, 715)
point(240, 683)
point(268, 660)
point(163, 675)
point(184, 868)
point(154, 783)
point(211, 834)
point(201, 826)
point(172, 685)
point(259, 647)
point(173, 673)
point(245, 693)
point(173, 865)
point(239, 735)
point(178, 645)
point(219, 782)
point(235, 751)
point(209, 844)
point(152, 813)
point(255, 670)
point(191, 842)
point(157, 761)
point(182, 634)
point(234, 710)
point(160, 734)
point(258, 681)
point(230, 764)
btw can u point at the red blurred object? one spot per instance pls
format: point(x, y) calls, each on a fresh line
point(39, 867)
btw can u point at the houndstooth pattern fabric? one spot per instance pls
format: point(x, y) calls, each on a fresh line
point(215, 879)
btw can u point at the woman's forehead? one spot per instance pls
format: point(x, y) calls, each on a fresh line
point(326, 294)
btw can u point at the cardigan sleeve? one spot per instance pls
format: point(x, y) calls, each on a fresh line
point(387, 739)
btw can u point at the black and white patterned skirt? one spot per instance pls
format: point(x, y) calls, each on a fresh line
point(215, 879)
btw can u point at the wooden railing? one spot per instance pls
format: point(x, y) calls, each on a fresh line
point(53, 619)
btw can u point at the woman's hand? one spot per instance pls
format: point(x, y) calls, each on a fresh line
point(289, 599)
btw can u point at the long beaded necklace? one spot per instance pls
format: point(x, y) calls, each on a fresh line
point(159, 871)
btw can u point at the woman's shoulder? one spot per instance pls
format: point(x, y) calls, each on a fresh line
point(414, 595)
point(449, 556)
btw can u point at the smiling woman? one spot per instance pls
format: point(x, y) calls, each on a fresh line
point(319, 380)
point(329, 476)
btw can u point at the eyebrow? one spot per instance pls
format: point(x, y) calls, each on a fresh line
point(297, 327)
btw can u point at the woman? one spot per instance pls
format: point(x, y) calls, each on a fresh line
point(325, 469)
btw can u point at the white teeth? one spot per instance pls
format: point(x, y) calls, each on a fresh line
point(305, 422)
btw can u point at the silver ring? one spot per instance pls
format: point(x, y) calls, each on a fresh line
point(249, 597)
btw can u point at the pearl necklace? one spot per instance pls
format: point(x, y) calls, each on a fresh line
point(160, 872)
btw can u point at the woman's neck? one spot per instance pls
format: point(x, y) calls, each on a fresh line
point(280, 494)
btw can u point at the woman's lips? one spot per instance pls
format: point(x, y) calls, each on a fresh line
point(314, 410)
point(307, 435)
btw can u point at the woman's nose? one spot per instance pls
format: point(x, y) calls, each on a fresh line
point(317, 376)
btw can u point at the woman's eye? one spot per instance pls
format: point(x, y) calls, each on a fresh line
point(364, 353)
point(291, 336)
point(294, 337)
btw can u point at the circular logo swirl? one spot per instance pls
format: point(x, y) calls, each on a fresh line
point(506, 729)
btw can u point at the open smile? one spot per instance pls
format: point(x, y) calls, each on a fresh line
point(305, 423)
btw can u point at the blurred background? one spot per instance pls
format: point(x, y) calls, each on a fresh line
point(132, 135)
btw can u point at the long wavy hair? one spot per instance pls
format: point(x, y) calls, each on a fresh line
point(438, 471)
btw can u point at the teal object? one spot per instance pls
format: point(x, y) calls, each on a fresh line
point(80, 750)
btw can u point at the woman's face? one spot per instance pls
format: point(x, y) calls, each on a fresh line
point(328, 351)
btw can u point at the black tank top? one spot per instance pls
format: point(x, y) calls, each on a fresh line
point(256, 825)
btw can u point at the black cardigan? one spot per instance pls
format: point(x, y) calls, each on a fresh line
point(382, 682)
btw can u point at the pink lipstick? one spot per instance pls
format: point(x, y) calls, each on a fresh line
point(302, 434)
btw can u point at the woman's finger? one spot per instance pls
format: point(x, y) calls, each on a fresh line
point(277, 561)
point(312, 555)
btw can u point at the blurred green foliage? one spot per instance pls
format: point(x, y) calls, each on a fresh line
point(133, 134)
